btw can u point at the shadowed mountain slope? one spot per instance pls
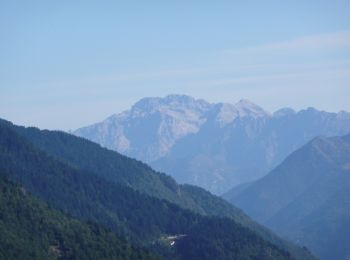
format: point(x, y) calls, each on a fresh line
point(306, 198)
point(138, 217)
point(32, 230)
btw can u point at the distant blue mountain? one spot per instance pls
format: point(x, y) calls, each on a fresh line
point(306, 198)
point(215, 146)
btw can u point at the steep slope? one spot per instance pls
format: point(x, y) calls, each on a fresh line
point(150, 128)
point(91, 159)
point(114, 167)
point(327, 229)
point(221, 156)
point(138, 217)
point(215, 146)
point(224, 152)
point(307, 198)
point(29, 229)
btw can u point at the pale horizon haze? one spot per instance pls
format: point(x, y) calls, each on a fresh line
point(67, 64)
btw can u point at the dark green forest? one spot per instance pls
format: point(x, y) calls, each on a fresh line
point(139, 218)
point(114, 167)
point(32, 230)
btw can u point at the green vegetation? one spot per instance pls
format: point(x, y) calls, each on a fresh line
point(207, 239)
point(29, 229)
point(86, 196)
point(139, 218)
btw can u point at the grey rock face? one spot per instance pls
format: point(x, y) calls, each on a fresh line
point(215, 146)
point(150, 128)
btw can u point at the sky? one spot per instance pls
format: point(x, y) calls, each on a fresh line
point(67, 64)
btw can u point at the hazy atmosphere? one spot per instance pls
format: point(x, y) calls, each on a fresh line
point(190, 130)
point(65, 64)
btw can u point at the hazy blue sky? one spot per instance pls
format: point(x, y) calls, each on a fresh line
point(64, 65)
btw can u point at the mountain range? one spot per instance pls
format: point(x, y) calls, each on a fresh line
point(126, 197)
point(306, 198)
point(213, 145)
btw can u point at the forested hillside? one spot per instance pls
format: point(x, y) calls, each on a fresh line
point(141, 219)
point(29, 229)
point(116, 168)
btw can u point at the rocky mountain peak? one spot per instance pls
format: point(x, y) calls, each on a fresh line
point(147, 104)
point(227, 113)
point(172, 103)
point(287, 111)
point(245, 107)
